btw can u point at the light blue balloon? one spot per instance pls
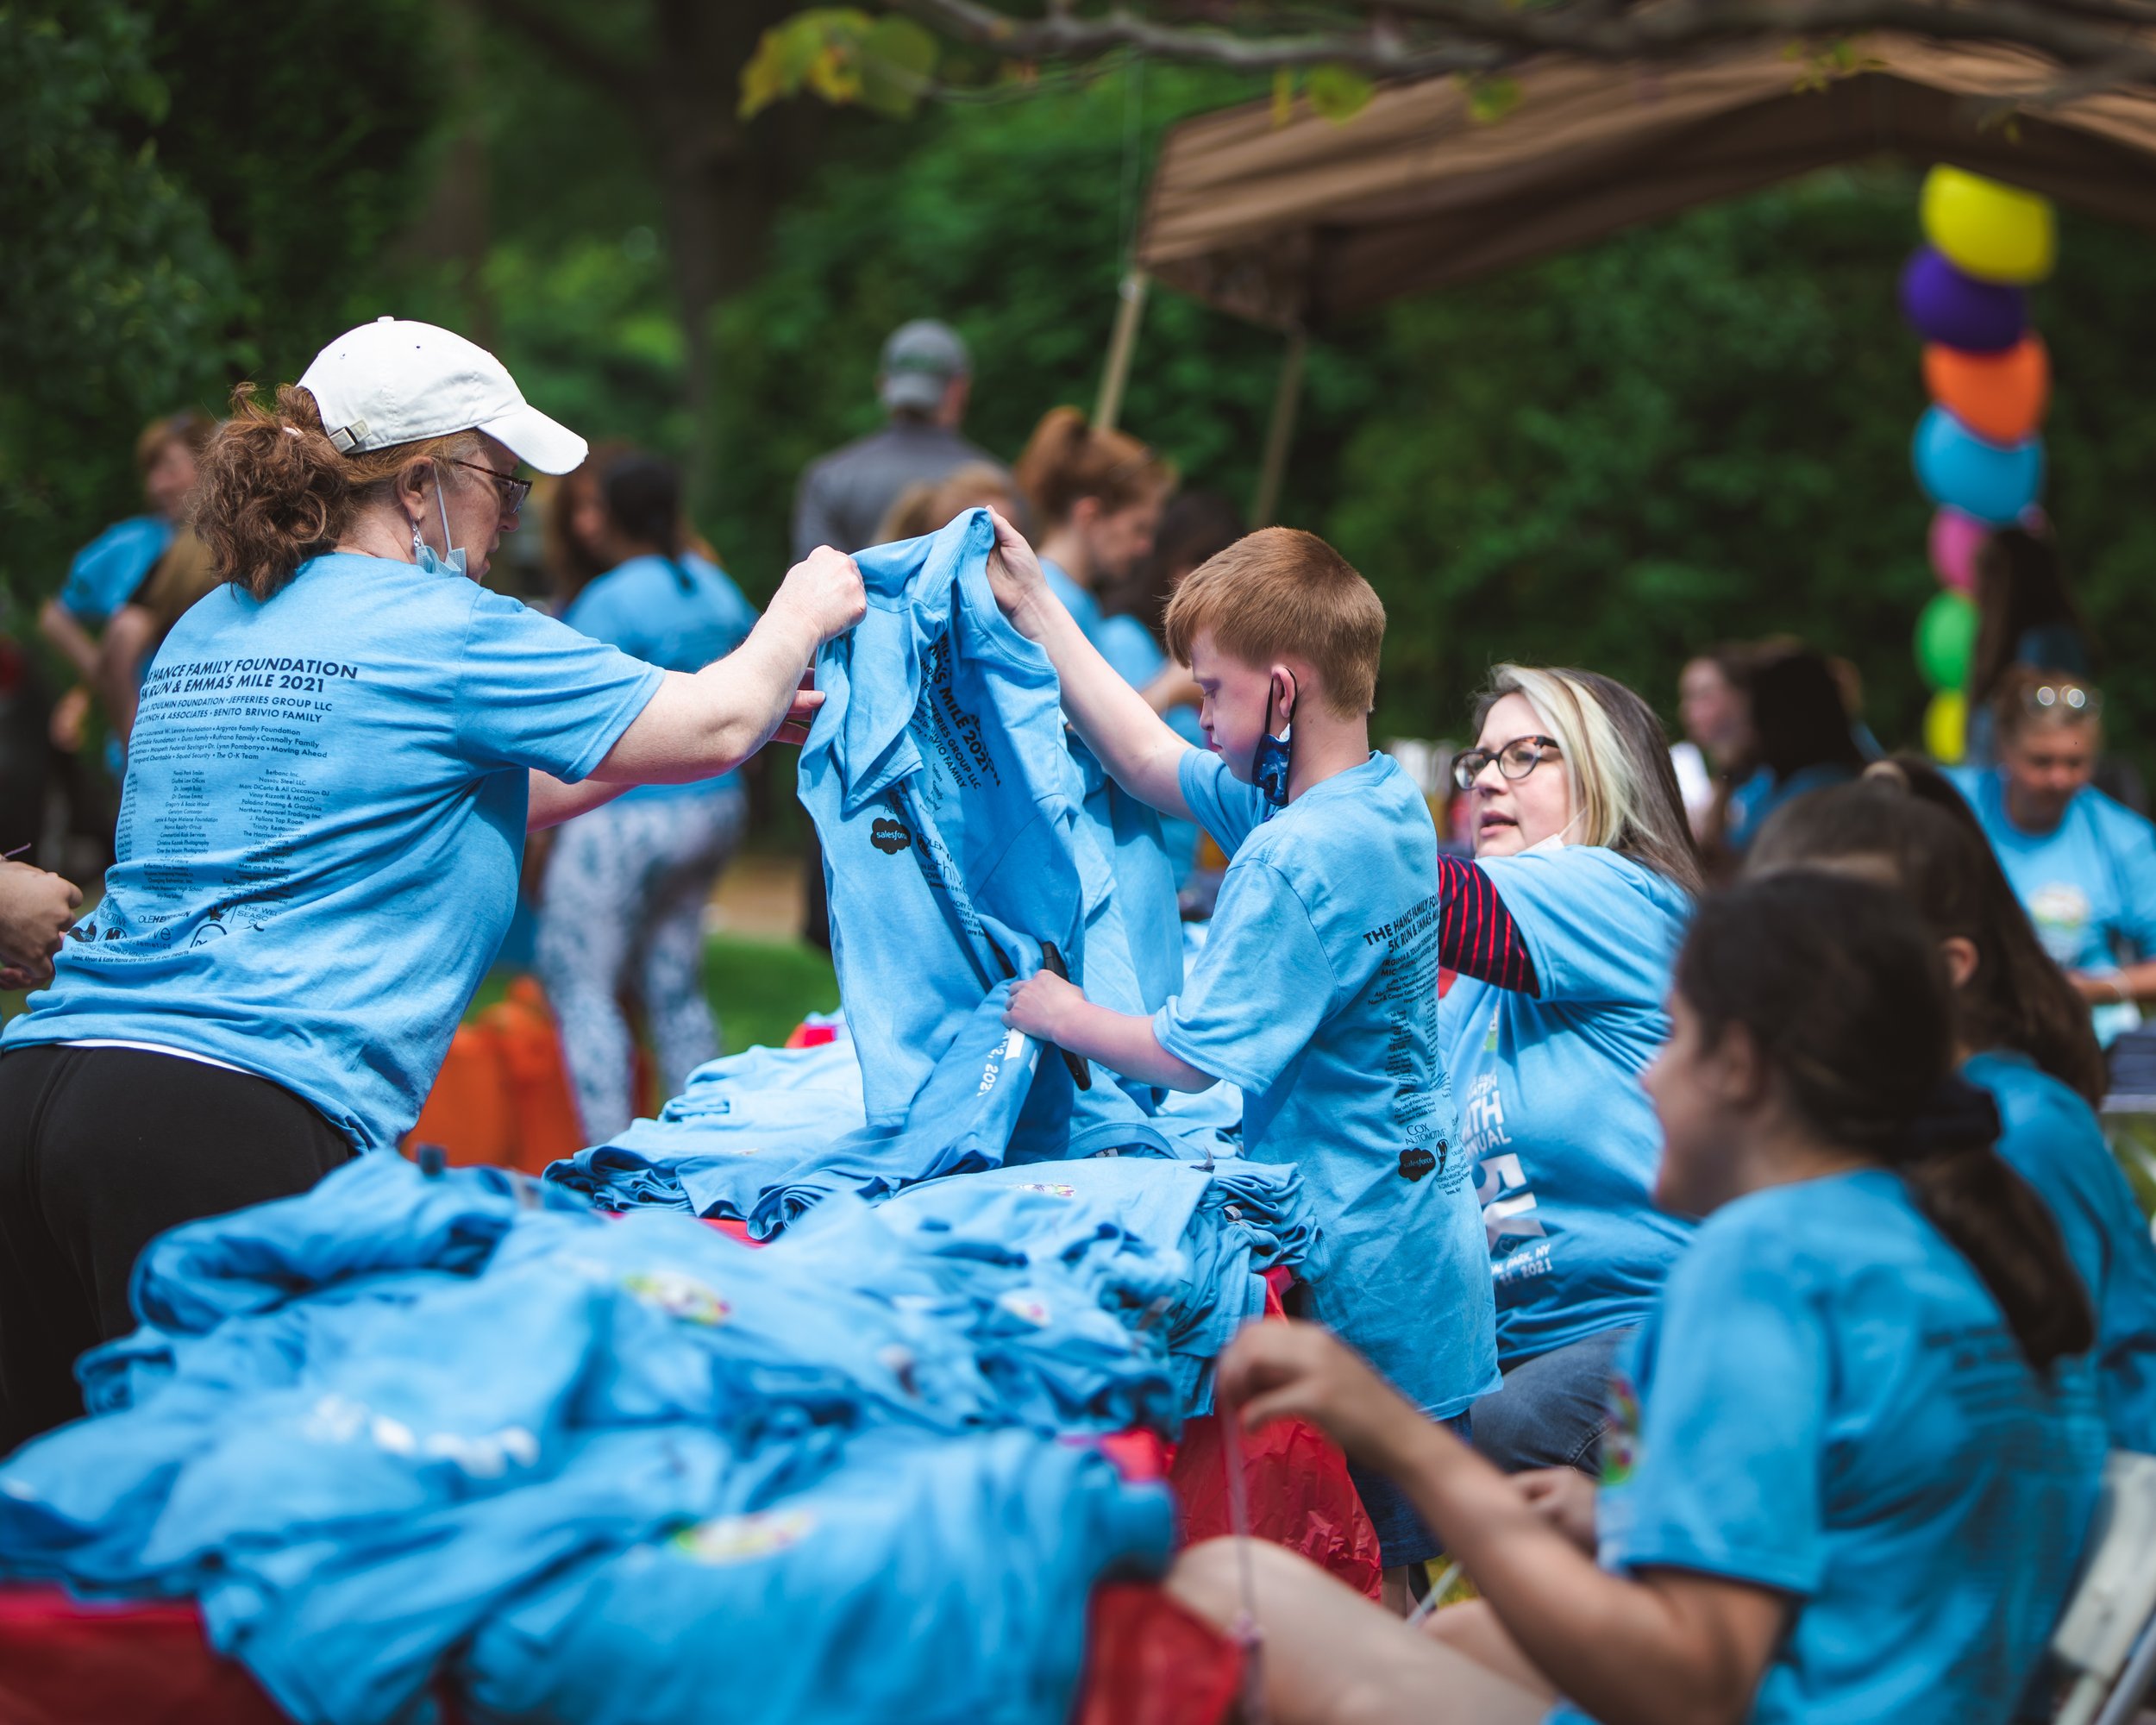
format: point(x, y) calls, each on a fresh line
point(1992, 481)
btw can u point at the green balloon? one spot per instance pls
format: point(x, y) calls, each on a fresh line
point(1947, 642)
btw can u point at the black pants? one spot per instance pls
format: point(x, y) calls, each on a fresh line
point(101, 1150)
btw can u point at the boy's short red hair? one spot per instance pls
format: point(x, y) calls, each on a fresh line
point(1281, 593)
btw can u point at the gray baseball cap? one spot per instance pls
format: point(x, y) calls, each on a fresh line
point(920, 360)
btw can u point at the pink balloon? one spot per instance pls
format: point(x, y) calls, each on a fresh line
point(1955, 538)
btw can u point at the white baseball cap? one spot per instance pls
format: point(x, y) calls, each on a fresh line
point(395, 381)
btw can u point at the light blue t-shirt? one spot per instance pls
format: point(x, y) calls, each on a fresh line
point(2089, 884)
point(107, 571)
point(2052, 1140)
point(1316, 993)
point(678, 615)
point(322, 826)
point(1134, 656)
point(1563, 1140)
point(1826, 1403)
point(1077, 601)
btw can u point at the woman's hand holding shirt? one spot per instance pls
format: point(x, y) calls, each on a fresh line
point(702, 724)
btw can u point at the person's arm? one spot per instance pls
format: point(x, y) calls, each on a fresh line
point(1054, 1010)
point(74, 644)
point(129, 639)
point(701, 723)
point(2129, 982)
point(1663, 1647)
point(1134, 744)
point(1477, 935)
point(36, 910)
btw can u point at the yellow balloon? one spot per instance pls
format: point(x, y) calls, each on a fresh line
point(1947, 727)
point(1993, 232)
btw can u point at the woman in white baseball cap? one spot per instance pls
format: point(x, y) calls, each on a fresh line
point(336, 759)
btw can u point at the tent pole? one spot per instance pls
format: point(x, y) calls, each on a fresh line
point(1280, 431)
point(1121, 345)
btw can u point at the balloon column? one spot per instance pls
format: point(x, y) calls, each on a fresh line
point(1979, 457)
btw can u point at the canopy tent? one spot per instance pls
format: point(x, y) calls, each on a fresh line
point(1298, 225)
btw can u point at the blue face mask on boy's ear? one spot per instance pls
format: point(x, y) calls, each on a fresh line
point(1273, 760)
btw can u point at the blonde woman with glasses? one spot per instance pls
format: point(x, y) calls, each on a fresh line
point(1563, 929)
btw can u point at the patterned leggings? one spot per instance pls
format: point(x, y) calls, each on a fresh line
point(623, 907)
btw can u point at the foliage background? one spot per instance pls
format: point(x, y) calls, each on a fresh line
point(1694, 431)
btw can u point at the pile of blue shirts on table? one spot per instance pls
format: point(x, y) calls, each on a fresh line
point(403, 1431)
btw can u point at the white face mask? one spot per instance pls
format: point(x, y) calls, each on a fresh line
point(1555, 841)
point(430, 561)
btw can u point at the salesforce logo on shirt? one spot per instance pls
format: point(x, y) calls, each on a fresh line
point(889, 836)
point(745, 1539)
point(679, 1296)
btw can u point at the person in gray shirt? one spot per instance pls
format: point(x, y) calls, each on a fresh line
point(923, 379)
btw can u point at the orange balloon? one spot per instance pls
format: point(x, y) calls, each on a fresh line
point(2000, 397)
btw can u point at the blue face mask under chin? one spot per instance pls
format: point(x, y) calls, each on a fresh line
point(429, 561)
point(1272, 761)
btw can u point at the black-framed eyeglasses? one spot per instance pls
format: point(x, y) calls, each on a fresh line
point(1515, 759)
point(2063, 700)
point(512, 492)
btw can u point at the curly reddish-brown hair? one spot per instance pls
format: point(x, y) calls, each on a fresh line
point(273, 491)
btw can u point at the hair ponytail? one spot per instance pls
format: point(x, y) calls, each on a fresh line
point(1845, 994)
point(1066, 460)
point(273, 491)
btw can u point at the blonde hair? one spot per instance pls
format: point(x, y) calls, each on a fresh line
point(929, 504)
point(1281, 592)
point(1623, 791)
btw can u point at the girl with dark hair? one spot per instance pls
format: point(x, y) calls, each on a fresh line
point(622, 905)
point(1584, 868)
point(2020, 1033)
point(1854, 1453)
point(1803, 738)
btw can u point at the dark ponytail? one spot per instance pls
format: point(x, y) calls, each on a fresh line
point(1845, 994)
point(1907, 820)
point(642, 495)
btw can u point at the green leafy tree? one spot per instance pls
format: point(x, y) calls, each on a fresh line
point(113, 293)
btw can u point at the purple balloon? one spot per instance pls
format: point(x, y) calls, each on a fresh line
point(1960, 311)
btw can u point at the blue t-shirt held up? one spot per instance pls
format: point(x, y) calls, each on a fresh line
point(107, 571)
point(678, 613)
point(1317, 994)
point(2052, 1139)
point(1827, 1403)
point(1552, 1113)
point(322, 826)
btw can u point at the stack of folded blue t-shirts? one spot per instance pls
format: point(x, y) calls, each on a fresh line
point(1225, 1223)
point(740, 1125)
point(364, 1426)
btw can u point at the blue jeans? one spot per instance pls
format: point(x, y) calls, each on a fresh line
point(1550, 1410)
point(1402, 1538)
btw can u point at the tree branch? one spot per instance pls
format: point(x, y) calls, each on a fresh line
point(2104, 43)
